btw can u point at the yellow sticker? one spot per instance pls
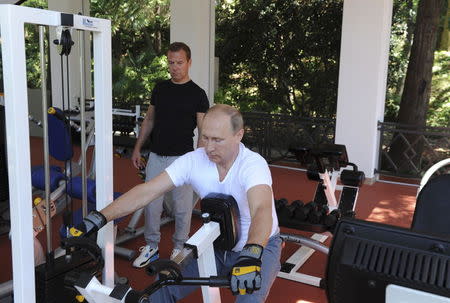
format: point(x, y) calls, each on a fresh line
point(239, 271)
point(255, 250)
point(37, 200)
point(75, 232)
point(79, 298)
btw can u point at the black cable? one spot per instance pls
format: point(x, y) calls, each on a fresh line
point(70, 129)
point(66, 43)
point(67, 216)
point(20, 2)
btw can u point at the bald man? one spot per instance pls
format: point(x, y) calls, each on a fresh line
point(224, 165)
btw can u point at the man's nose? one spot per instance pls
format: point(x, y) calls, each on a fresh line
point(209, 146)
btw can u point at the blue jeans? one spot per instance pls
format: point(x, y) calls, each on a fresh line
point(224, 262)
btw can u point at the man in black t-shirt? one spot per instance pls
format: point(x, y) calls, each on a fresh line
point(177, 106)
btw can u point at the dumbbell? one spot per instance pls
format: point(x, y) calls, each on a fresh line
point(349, 214)
point(141, 174)
point(286, 211)
point(280, 203)
point(316, 216)
point(332, 218)
point(297, 204)
point(352, 177)
point(292, 208)
point(302, 213)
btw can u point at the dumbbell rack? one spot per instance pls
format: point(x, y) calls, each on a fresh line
point(289, 269)
point(324, 195)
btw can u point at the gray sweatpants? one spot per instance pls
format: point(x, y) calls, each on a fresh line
point(180, 205)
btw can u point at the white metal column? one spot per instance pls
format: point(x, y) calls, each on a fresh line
point(12, 20)
point(366, 28)
point(103, 143)
point(16, 117)
point(193, 22)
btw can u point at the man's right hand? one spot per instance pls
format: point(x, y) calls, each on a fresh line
point(136, 158)
point(91, 224)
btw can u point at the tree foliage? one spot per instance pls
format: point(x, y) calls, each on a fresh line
point(275, 56)
point(403, 25)
point(279, 56)
point(439, 107)
point(402, 29)
point(414, 104)
point(140, 35)
point(31, 49)
point(418, 81)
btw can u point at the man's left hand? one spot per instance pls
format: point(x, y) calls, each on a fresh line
point(246, 273)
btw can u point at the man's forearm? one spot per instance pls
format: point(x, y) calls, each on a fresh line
point(260, 228)
point(146, 129)
point(260, 199)
point(127, 203)
point(138, 197)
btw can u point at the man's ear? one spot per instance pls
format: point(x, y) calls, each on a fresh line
point(240, 134)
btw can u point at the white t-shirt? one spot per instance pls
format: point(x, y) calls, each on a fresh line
point(249, 169)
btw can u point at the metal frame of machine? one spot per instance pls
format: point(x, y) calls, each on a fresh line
point(12, 20)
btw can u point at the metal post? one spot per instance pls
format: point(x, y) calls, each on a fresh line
point(18, 151)
point(83, 125)
point(103, 142)
point(45, 130)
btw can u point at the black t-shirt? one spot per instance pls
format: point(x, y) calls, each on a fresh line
point(176, 108)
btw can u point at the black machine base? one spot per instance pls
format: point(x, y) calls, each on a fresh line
point(50, 277)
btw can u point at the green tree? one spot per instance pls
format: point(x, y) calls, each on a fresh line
point(416, 94)
point(31, 49)
point(140, 35)
point(279, 56)
point(439, 108)
point(402, 30)
point(415, 99)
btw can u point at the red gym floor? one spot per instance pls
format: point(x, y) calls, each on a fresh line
point(381, 202)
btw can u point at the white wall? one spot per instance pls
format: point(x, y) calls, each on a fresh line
point(193, 22)
point(71, 7)
point(362, 79)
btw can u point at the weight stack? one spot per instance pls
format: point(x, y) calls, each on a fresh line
point(4, 186)
point(50, 277)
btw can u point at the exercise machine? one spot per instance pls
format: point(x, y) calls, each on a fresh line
point(200, 246)
point(367, 262)
point(12, 20)
point(327, 165)
point(376, 263)
point(220, 229)
point(125, 123)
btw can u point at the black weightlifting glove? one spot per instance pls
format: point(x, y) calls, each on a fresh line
point(245, 275)
point(92, 223)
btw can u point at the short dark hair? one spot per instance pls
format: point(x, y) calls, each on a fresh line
point(236, 120)
point(177, 46)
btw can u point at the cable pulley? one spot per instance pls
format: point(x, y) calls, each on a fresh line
point(65, 42)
